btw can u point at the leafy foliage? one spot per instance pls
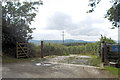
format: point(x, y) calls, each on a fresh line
point(16, 18)
point(113, 14)
point(107, 40)
point(92, 4)
point(55, 49)
point(48, 49)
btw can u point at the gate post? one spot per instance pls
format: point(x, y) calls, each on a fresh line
point(102, 54)
point(41, 49)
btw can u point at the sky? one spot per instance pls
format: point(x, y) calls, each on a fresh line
point(70, 16)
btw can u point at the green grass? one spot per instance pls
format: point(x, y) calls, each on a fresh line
point(65, 54)
point(14, 60)
point(8, 59)
point(94, 62)
point(67, 60)
point(112, 70)
point(92, 56)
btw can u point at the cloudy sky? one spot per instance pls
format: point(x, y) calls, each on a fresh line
point(70, 16)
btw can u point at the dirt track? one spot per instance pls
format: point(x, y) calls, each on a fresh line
point(56, 70)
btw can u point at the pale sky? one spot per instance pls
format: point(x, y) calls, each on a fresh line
point(54, 16)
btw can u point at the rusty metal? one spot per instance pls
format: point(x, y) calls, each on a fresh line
point(41, 49)
point(102, 51)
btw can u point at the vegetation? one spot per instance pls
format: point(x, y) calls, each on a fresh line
point(9, 59)
point(16, 17)
point(49, 49)
point(89, 48)
point(94, 61)
point(112, 70)
point(113, 13)
point(107, 40)
point(70, 48)
point(74, 44)
point(34, 50)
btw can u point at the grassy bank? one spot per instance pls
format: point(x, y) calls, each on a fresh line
point(94, 61)
point(9, 59)
point(113, 70)
point(6, 59)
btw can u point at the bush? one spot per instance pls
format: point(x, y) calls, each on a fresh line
point(48, 49)
point(34, 50)
point(54, 49)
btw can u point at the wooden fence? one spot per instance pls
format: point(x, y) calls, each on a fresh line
point(22, 49)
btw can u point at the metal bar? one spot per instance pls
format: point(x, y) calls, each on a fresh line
point(102, 55)
point(102, 51)
point(41, 49)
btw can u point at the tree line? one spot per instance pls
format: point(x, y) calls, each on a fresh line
point(72, 48)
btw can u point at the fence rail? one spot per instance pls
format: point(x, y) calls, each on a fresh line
point(22, 49)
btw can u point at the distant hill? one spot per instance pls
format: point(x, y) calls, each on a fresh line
point(37, 42)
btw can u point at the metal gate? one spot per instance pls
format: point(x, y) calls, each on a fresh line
point(112, 52)
point(22, 49)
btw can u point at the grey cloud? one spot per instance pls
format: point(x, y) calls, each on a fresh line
point(62, 21)
point(59, 21)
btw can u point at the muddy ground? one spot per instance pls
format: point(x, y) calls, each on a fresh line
point(52, 70)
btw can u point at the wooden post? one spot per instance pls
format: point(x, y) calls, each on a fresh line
point(102, 51)
point(41, 49)
point(102, 54)
point(105, 53)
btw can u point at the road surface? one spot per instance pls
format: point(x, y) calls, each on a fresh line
point(55, 70)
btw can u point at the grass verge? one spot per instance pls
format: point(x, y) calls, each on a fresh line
point(8, 59)
point(14, 60)
point(112, 70)
point(94, 62)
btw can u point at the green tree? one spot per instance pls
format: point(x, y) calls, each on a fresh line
point(92, 4)
point(16, 19)
point(107, 40)
point(113, 14)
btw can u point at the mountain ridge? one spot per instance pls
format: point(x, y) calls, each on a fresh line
point(37, 42)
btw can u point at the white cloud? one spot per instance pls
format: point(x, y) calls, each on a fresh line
point(61, 21)
point(71, 16)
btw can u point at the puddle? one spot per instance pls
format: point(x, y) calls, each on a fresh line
point(84, 57)
point(48, 64)
point(43, 64)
